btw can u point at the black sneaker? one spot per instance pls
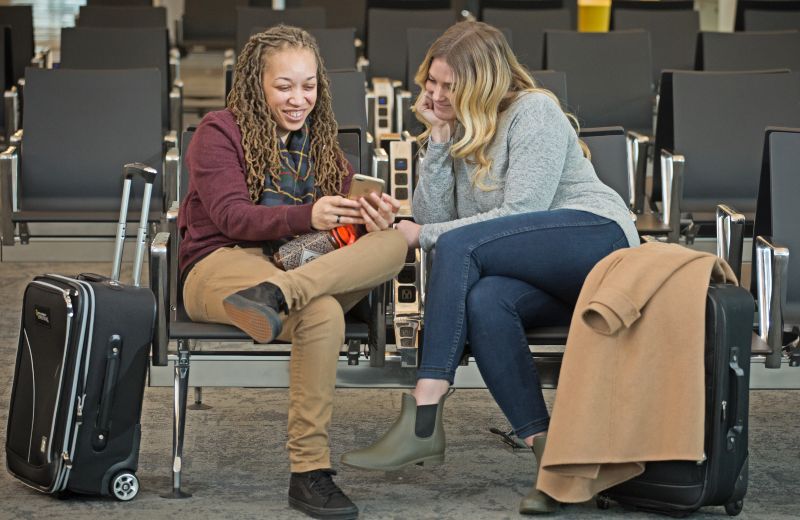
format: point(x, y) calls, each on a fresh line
point(316, 494)
point(256, 310)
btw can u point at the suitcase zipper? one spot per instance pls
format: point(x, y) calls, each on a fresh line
point(33, 399)
point(67, 460)
point(81, 399)
point(64, 293)
point(85, 341)
point(70, 315)
point(90, 308)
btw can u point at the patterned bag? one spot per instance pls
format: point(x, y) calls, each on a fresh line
point(306, 248)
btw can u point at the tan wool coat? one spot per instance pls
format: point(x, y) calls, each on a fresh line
point(631, 387)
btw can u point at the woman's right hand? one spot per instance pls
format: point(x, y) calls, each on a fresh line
point(441, 130)
point(333, 211)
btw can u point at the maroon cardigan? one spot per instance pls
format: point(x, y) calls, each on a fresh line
point(217, 211)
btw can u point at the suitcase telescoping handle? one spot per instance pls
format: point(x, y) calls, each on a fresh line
point(103, 425)
point(737, 381)
point(148, 174)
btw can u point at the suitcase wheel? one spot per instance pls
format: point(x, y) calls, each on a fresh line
point(734, 508)
point(602, 502)
point(124, 486)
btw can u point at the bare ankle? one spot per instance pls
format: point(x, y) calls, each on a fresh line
point(430, 391)
point(529, 440)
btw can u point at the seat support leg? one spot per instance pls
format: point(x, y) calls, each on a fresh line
point(180, 392)
point(198, 400)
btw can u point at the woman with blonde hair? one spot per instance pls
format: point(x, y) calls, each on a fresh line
point(517, 217)
point(262, 171)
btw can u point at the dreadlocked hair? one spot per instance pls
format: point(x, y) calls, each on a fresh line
point(256, 121)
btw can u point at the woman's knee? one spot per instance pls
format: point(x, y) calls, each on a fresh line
point(486, 299)
point(453, 242)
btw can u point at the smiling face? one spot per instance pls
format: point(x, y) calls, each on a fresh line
point(439, 87)
point(290, 87)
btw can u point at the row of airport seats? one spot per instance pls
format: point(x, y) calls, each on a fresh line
point(38, 188)
point(708, 104)
point(622, 97)
point(17, 51)
point(647, 224)
point(704, 198)
point(607, 76)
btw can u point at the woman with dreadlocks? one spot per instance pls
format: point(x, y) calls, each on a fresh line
point(264, 170)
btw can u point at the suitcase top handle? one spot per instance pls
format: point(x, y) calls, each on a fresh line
point(147, 173)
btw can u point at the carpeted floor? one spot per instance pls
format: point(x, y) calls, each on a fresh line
point(236, 465)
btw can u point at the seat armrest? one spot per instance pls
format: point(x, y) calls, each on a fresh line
point(179, 32)
point(377, 326)
point(771, 265)
point(362, 65)
point(21, 91)
point(176, 111)
point(174, 246)
point(671, 192)
point(11, 115)
point(380, 165)
point(730, 238)
point(172, 212)
point(171, 180)
point(160, 285)
point(170, 140)
point(16, 138)
point(227, 71)
point(43, 59)
point(638, 145)
point(467, 16)
point(9, 164)
point(402, 106)
point(175, 65)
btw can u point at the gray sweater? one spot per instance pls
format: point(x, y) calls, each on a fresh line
point(537, 165)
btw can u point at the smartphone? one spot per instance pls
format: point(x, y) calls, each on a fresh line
point(363, 185)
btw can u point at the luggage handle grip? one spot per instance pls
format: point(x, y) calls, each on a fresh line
point(100, 437)
point(737, 381)
point(138, 169)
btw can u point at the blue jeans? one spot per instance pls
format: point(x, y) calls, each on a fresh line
point(492, 280)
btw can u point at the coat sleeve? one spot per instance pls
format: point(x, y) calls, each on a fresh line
point(632, 277)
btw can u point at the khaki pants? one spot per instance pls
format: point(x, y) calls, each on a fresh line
point(318, 294)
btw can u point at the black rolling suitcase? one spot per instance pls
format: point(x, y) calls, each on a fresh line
point(73, 422)
point(678, 488)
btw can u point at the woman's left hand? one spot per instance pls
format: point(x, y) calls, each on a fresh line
point(378, 212)
point(411, 231)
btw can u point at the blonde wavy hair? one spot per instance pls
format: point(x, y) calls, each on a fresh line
point(256, 121)
point(486, 78)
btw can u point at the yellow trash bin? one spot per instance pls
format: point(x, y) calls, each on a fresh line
point(594, 15)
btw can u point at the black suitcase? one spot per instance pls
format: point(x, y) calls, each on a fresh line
point(73, 422)
point(678, 488)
